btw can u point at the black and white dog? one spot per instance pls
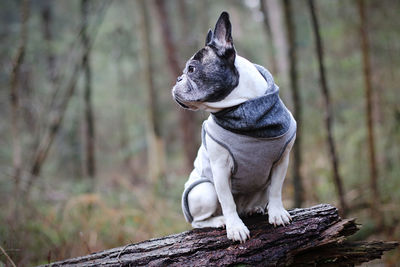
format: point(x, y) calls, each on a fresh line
point(242, 162)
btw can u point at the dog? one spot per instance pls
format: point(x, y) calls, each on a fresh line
point(242, 161)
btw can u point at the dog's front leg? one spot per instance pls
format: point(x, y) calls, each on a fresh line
point(277, 215)
point(221, 166)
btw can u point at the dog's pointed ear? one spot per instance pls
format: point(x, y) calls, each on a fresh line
point(223, 30)
point(209, 37)
point(222, 37)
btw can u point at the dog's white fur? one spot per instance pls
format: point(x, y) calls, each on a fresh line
point(205, 199)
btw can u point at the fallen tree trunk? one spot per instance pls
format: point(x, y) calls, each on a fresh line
point(316, 236)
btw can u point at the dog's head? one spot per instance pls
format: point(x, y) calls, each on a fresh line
point(210, 74)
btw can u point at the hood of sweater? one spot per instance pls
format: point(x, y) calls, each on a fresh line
point(262, 117)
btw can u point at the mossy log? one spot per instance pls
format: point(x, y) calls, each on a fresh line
point(315, 237)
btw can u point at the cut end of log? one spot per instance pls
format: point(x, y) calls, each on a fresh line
point(316, 236)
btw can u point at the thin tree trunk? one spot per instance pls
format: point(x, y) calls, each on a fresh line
point(156, 151)
point(14, 98)
point(328, 109)
point(54, 80)
point(123, 127)
point(55, 121)
point(291, 37)
point(14, 105)
point(375, 198)
point(47, 18)
point(278, 30)
point(270, 37)
point(56, 118)
point(187, 118)
point(53, 76)
point(89, 119)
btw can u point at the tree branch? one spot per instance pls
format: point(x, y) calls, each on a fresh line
point(316, 236)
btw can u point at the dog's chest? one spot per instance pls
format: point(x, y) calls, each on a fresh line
point(253, 158)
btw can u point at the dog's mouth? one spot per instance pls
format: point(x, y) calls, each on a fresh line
point(181, 103)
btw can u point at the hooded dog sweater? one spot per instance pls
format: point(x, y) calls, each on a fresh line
point(255, 133)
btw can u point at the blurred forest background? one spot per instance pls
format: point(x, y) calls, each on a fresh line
point(94, 152)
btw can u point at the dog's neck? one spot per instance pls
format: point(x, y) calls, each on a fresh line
point(251, 85)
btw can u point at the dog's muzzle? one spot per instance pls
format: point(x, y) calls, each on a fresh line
point(179, 101)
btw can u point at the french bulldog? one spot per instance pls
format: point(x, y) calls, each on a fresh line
point(242, 161)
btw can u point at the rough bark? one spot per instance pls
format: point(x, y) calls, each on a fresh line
point(373, 169)
point(315, 236)
point(89, 118)
point(297, 112)
point(187, 118)
point(328, 109)
point(270, 37)
point(156, 153)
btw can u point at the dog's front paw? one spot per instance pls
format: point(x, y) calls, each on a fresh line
point(277, 215)
point(237, 231)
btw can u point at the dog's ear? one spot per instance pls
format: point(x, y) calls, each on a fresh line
point(222, 37)
point(209, 37)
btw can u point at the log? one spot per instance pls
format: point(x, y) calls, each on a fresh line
point(315, 237)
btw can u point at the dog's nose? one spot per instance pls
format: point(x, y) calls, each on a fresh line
point(179, 79)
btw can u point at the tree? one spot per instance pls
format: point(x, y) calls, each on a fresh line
point(14, 101)
point(278, 33)
point(328, 108)
point(316, 237)
point(187, 118)
point(89, 118)
point(53, 77)
point(47, 17)
point(156, 153)
point(56, 115)
point(270, 37)
point(119, 54)
point(375, 199)
point(56, 118)
point(297, 155)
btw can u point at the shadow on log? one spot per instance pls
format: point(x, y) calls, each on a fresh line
point(315, 237)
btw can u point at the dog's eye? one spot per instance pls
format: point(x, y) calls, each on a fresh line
point(191, 69)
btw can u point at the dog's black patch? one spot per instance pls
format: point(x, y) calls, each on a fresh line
point(200, 54)
point(210, 75)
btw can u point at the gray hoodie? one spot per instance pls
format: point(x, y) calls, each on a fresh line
point(255, 133)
